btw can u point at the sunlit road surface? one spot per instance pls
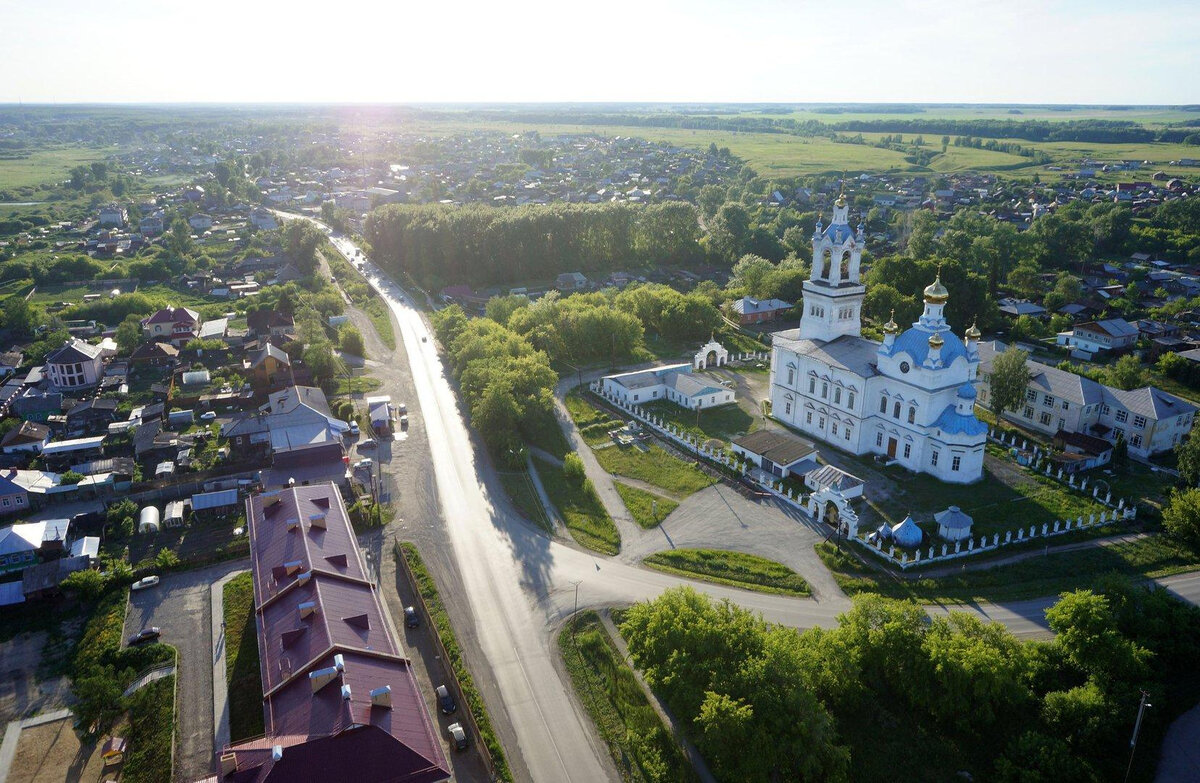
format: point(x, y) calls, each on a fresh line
point(520, 584)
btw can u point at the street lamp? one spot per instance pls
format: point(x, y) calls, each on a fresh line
point(575, 582)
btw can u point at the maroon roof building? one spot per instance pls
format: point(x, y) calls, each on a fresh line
point(340, 701)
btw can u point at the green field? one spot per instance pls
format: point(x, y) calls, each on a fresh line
point(781, 154)
point(735, 569)
point(725, 422)
point(45, 167)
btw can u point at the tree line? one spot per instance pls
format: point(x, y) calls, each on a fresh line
point(892, 694)
point(479, 245)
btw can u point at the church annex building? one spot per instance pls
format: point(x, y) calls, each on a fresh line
point(910, 398)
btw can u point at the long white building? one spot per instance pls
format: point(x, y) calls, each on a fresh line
point(910, 398)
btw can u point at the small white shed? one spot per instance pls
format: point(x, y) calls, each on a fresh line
point(148, 520)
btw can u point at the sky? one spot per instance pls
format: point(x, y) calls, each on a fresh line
point(400, 51)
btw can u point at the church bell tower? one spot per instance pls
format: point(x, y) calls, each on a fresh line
point(833, 292)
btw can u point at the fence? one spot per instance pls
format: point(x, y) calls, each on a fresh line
point(900, 558)
point(1040, 458)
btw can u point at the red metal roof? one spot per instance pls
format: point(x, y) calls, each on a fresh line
point(317, 610)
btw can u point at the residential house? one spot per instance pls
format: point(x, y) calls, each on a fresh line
point(780, 454)
point(151, 225)
point(675, 383)
point(303, 430)
point(1015, 308)
point(570, 281)
point(1112, 335)
point(250, 437)
point(262, 219)
point(10, 362)
point(176, 325)
point(270, 323)
point(1076, 452)
point(91, 416)
point(113, 216)
point(76, 365)
point(36, 404)
point(200, 222)
point(752, 311)
point(155, 353)
point(270, 367)
point(59, 453)
point(341, 692)
point(29, 437)
point(1149, 420)
point(21, 545)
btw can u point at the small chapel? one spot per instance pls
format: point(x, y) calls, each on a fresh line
point(909, 398)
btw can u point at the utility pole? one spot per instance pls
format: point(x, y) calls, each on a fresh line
point(575, 582)
point(1137, 726)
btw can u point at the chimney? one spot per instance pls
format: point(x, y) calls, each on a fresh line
point(307, 608)
point(345, 693)
point(276, 752)
point(292, 566)
point(292, 524)
point(304, 577)
point(229, 764)
point(382, 697)
point(317, 521)
point(339, 662)
point(322, 677)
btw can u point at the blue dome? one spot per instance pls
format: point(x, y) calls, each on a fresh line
point(967, 391)
point(907, 534)
point(952, 422)
point(915, 343)
point(839, 233)
point(884, 532)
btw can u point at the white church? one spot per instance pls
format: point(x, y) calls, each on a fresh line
point(910, 398)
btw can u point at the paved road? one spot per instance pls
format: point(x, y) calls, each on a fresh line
point(181, 606)
point(520, 584)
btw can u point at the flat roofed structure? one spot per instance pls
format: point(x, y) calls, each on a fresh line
point(340, 700)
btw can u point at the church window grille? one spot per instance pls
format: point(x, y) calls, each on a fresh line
point(787, 409)
point(791, 376)
point(808, 417)
point(933, 458)
point(879, 439)
point(821, 423)
point(824, 390)
point(883, 404)
point(834, 428)
point(955, 463)
point(912, 415)
point(850, 400)
point(896, 411)
point(848, 434)
point(907, 450)
point(812, 385)
point(837, 396)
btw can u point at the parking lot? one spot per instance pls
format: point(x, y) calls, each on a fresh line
point(180, 605)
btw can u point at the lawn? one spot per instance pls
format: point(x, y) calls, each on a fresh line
point(641, 747)
point(593, 422)
point(151, 733)
point(725, 422)
point(241, 659)
point(1007, 497)
point(581, 510)
point(520, 490)
point(654, 466)
point(1049, 574)
point(356, 384)
point(735, 569)
point(642, 505)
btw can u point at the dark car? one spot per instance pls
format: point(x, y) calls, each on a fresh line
point(445, 700)
point(144, 635)
point(411, 618)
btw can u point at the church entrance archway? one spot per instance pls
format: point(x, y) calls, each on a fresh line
point(711, 359)
point(832, 515)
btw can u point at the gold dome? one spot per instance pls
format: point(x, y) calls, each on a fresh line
point(936, 341)
point(936, 293)
point(973, 333)
point(891, 327)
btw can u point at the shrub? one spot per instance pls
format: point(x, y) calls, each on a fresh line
point(573, 469)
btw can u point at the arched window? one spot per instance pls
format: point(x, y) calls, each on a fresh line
point(883, 404)
point(912, 415)
point(896, 411)
point(845, 271)
point(826, 264)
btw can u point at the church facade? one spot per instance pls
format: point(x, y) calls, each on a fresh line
point(910, 398)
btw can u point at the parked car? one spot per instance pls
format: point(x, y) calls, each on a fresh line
point(367, 443)
point(402, 409)
point(208, 416)
point(144, 582)
point(363, 463)
point(354, 428)
point(457, 736)
point(446, 700)
point(411, 618)
point(144, 635)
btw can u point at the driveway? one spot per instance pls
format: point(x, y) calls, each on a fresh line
point(181, 606)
